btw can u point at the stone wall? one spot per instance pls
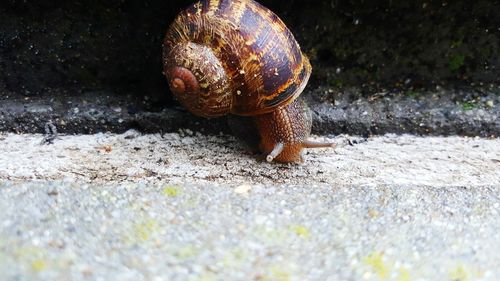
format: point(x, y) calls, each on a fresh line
point(78, 46)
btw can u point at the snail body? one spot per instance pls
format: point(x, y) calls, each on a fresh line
point(237, 57)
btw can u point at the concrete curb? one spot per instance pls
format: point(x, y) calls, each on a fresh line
point(429, 114)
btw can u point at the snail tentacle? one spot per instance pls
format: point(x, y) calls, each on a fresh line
point(315, 144)
point(278, 148)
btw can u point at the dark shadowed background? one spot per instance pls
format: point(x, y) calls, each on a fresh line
point(53, 48)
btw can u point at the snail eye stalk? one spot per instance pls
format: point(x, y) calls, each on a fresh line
point(314, 144)
point(276, 151)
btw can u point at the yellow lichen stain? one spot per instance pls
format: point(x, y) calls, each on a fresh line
point(280, 275)
point(206, 276)
point(404, 275)
point(376, 261)
point(271, 235)
point(300, 230)
point(234, 258)
point(459, 274)
point(186, 252)
point(38, 265)
point(373, 213)
point(276, 273)
point(32, 256)
point(171, 191)
point(144, 229)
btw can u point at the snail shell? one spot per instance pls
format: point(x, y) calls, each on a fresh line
point(223, 56)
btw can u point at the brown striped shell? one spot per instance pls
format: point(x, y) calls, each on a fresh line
point(233, 56)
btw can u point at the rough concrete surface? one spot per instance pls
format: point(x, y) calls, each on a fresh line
point(443, 112)
point(188, 156)
point(185, 206)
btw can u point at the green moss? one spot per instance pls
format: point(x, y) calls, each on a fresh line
point(469, 105)
point(337, 83)
point(457, 43)
point(456, 62)
point(412, 94)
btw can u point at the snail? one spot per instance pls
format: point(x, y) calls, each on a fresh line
point(237, 57)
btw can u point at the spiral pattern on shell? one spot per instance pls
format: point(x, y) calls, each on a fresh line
point(244, 59)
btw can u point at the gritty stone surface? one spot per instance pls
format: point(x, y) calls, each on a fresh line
point(189, 156)
point(185, 206)
point(282, 232)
